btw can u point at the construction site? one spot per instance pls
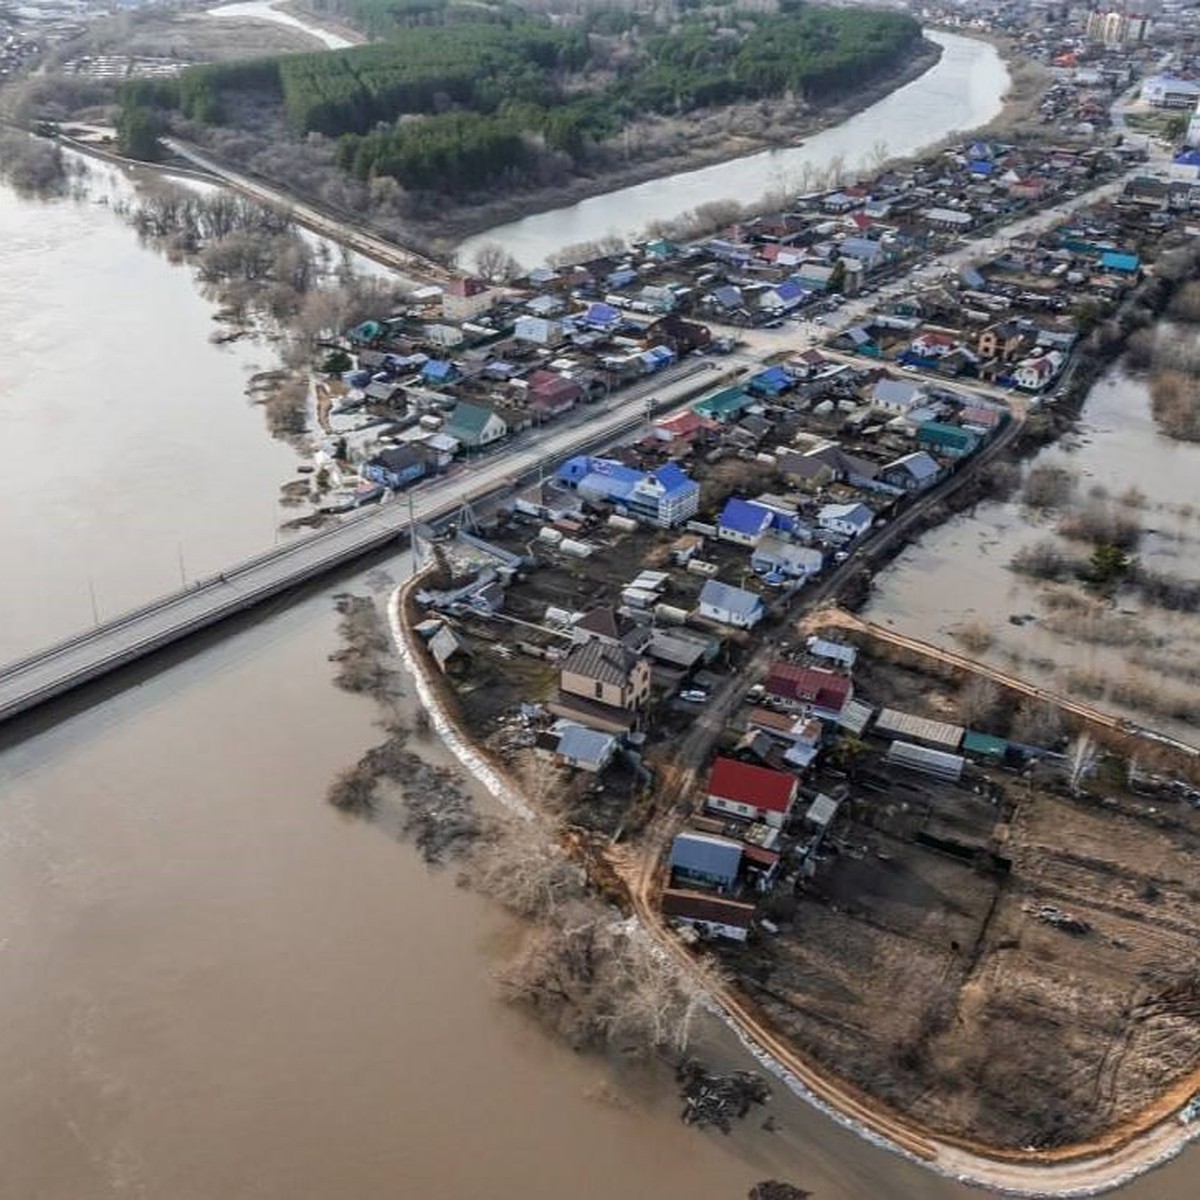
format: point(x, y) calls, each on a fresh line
point(999, 943)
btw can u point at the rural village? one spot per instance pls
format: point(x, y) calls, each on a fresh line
point(621, 633)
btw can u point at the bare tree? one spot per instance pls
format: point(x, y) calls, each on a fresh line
point(978, 701)
point(495, 264)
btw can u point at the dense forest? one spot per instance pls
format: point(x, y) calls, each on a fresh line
point(462, 97)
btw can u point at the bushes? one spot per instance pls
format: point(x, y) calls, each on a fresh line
point(1048, 486)
point(1175, 403)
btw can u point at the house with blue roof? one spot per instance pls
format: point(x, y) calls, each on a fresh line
point(657, 358)
point(774, 381)
point(602, 316)
point(864, 250)
point(1123, 264)
point(743, 522)
point(783, 296)
point(664, 497)
point(437, 371)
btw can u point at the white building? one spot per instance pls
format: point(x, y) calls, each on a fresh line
point(729, 605)
point(850, 520)
point(1165, 91)
point(774, 554)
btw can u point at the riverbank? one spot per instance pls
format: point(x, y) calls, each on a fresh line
point(1139, 1144)
point(776, 125)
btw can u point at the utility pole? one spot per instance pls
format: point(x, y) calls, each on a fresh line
point(182, 571)
point(95, 607)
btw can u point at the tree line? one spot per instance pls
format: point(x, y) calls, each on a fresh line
point(476, 101)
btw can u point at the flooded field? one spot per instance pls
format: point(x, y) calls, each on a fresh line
point(1130, 657)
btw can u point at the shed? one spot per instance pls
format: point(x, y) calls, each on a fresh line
point(929, 762)
point(985, 745)
point(893, 722)
point(822, 811)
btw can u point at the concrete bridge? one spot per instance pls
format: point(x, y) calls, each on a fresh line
point(61, 668)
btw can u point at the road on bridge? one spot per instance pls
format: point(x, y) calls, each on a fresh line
point(60, 668)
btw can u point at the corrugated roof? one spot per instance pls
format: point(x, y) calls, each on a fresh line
point(744, 783)
point(602, 662)
point(907, 725)
point(706, 854)
point(731, 599)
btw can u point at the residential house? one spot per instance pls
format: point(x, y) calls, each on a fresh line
point(683, 428)
point(955, 441)
point(541, 331)
point(729, 605)
point(896, 395)
point(815, 276)
point(951, 219)
point(1037, 372)
point(782, 297)
point(725, 406)
point(608, 626)
point(864, 250)
point(1122, 264)
point(706, 858)
point(602, 317)
point(912, 472)
point(438, 372)
point(771, 382)
point(396, 468)
point(751, 792)
point(1004, 340)
point(664, 497)
point(849, 520)
point(551, 394)
point(933, 343)
point(584, 749)
point(475, 425)
point(612, 675)
point(681, 336)
point(743, 522)
point(774, 556)
point(466, 298)
point(712, 916)
point(819, 689)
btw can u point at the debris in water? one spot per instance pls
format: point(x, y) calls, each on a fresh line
point(774, 1190)
point(718, 1099)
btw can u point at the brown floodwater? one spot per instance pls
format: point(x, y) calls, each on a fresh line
point(211, 983)
point(958, 575)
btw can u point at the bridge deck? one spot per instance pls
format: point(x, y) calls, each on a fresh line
point(58, 669)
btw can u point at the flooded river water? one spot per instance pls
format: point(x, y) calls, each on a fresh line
point(959, 575)
point(212, 984)
point(963, 90)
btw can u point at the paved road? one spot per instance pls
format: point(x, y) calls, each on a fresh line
point(65, 666)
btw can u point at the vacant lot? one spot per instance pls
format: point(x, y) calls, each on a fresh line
point(940, 983)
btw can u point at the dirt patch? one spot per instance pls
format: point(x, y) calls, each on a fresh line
point(1007, 958)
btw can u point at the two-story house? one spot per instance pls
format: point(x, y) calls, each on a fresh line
point(603, 686)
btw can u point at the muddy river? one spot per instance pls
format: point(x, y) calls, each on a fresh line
point(213, 984)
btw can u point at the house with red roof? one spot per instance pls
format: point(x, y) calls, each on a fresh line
point(551, 393)
point(465, 298)
point(756, 793)
point(683, 427)
point(823, 691)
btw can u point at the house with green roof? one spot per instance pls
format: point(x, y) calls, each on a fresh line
point(723, 406)
point(475, 425)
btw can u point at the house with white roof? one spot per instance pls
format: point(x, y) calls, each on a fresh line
point(849, 520)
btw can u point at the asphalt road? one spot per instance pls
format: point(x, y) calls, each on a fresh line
point(116, 643)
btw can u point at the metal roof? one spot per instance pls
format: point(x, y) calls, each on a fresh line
point(921, 758)
point(706, 854)
point(923, 729)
